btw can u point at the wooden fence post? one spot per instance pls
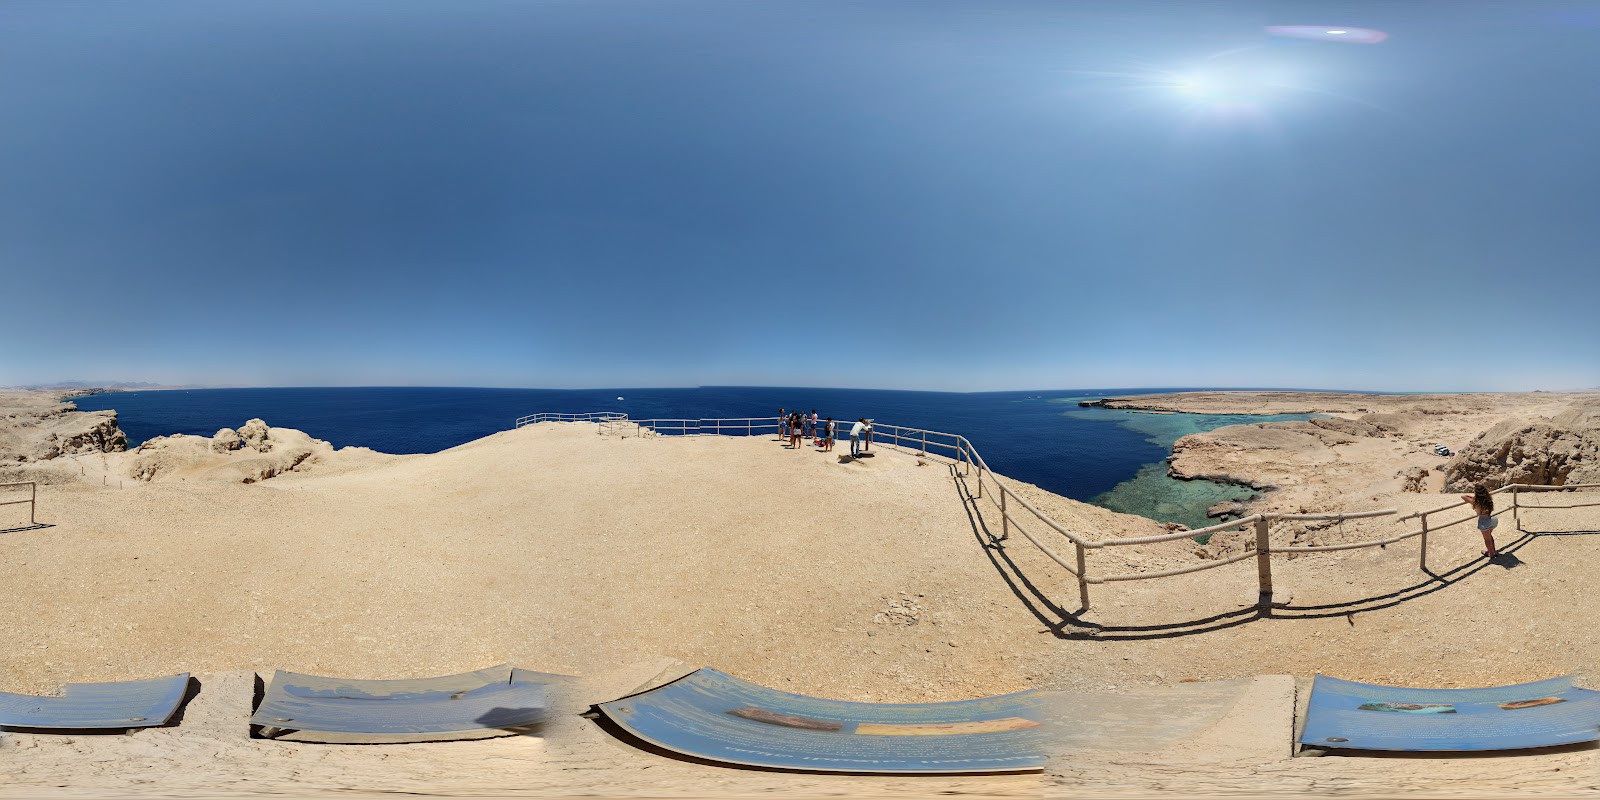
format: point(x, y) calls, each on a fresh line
point(1422, 559)
point(1005, 519)
point(1264, 563)
point(1083, 579)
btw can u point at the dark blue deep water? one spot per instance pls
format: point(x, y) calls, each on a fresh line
point(1039, 437)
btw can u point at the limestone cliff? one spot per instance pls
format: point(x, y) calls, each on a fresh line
point(35, 426)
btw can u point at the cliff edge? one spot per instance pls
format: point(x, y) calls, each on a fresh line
point(37, 427)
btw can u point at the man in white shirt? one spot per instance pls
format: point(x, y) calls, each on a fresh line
point(855, 436)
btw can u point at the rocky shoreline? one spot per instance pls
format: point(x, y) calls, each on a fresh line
point(45, 439)
point(40, 426)
point(1368, 450)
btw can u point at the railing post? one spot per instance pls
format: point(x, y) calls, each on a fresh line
point(1005, 519)
point(33, 503)
point(1516, 508)
point(1264, 563)
point(1083, 578)
point(1422, 558)
point(924, 443)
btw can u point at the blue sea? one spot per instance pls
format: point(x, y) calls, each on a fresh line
point(1112, 458)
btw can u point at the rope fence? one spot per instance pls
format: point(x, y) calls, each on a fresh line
point(1015, 510)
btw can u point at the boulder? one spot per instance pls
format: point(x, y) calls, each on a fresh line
point(256, 435)
point(1414, 479)
point(226, 441)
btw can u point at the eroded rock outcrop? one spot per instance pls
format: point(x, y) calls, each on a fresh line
point(256, 435)
point(35, 427)
point(227, 440)
point(255, 452)
point(1557, 451)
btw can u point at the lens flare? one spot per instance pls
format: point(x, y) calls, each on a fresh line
point(1328, 33)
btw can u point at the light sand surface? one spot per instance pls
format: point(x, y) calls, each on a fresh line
point(548, 547)
point(559, 550)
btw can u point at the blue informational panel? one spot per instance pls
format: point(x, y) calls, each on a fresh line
point(715, 716)
point(85, 706)
point(499, 700)
point(1364, 716)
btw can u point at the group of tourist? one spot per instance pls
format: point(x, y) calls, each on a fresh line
point(796, 427)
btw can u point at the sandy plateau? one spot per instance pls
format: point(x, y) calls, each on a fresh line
point(626, 559)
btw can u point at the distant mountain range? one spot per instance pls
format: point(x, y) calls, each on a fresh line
point(124, 385)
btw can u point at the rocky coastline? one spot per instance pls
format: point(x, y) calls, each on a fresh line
point(40, 426)
point(45, 438)
point(1370, 451)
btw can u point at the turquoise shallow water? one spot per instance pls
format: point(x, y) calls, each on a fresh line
point(1150, 492)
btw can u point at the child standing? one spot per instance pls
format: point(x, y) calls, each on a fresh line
point(1483, 503)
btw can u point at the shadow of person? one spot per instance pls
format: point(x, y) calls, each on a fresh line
point(1506, 560)
point(515, 721)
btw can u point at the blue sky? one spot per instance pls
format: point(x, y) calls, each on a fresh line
point(933, 195)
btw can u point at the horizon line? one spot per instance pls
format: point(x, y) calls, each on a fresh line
point(1094, 390)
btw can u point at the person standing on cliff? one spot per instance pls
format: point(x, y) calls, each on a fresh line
point(783, 424)
point(1483, 503)
point(828, 435)
point(855, 436)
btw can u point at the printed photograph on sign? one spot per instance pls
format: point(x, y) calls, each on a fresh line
point(1411, 708)
point(946, 729)
point(1535, 703)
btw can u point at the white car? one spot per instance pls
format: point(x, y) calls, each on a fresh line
point(1440, 449)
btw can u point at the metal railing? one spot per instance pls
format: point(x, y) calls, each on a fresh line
point(726, 426)
point(590, 416)
point(1015, 510)
point(32, 501)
